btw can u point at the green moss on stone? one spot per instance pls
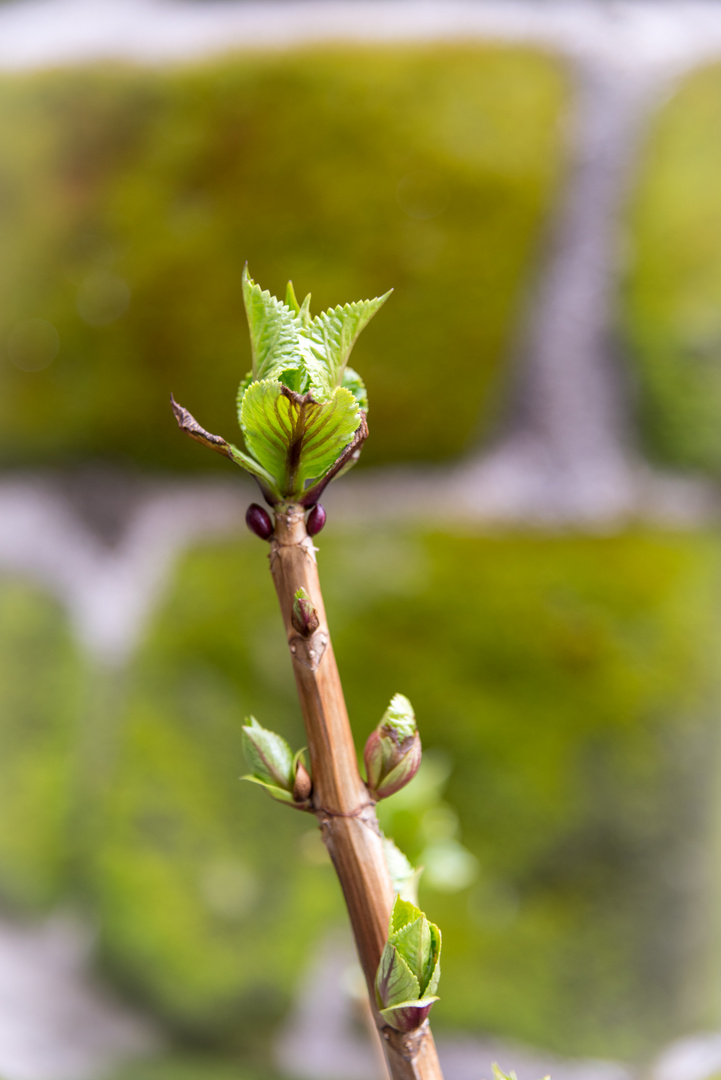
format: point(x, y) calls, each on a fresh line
point(41, 681)
point(673, 290)
point(130, 199)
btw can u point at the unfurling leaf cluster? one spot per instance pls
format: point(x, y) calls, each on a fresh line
point(301, 408)
point(392, 753)
point(275, 766)
point(392, 756)
point(410, 968)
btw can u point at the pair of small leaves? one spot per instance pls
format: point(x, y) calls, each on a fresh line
point(410, 968)
point(275, 767)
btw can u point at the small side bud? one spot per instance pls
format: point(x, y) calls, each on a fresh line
point(303, 784)
point(258, 521)
point(392, 753)
point(304, 616)
point(316, 520)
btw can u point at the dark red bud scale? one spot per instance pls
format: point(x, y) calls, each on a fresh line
point(258, 521)
point(316, 520)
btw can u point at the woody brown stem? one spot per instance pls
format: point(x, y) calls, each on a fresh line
point(345, 813)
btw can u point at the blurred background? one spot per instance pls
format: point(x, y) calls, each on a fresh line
point(529, 549)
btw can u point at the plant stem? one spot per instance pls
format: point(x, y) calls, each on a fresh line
point(344, 810)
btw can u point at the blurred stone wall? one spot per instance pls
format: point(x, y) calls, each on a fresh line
point(547, 359)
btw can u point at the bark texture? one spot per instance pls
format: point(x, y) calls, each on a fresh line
point(345, 813)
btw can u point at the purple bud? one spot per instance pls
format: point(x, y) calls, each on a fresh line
point(316, 520)
point(258, 521)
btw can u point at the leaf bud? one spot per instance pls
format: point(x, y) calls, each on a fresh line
point(304, 616)
point(410, 968)
point(258, 521)
point(392, 753)
point(275, 767)
point(316, 520)
point(303, 784)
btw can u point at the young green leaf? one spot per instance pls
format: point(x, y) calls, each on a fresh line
point(432, 970)
point(273, 333)
point(413, 943)
point(333, 333)
point(296, 440)
point(328, 430)
point(277, 793)
point(402, 914)
point(268, 426)
point(304, 316)
point(352, 381)
point(399, 718)
point(268, 755)
point(395, 982)
point(290, 300)
point(244, 384)
point(275, 767)
point(265, 479)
